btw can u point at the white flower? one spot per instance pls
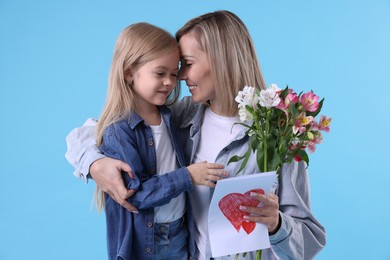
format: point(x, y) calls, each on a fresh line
point(274, 87)
point(269, 98)
point(244, 113)
point(246, 97)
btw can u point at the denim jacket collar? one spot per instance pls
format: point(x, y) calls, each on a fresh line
point(195, 119)
point(134, 119)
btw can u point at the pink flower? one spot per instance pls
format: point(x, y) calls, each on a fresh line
point(293, 147)
point(309, 101)
point(301, 122)
point(324, 124)
point(312, 143)
point(291, 97)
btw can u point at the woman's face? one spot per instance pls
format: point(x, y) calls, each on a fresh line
point(195, 69)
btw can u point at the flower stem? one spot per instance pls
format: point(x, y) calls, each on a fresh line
point(266, 141)
point(258, 254)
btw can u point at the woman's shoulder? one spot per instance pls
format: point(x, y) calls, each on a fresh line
point(185, 110)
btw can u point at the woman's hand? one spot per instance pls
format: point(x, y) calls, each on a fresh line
point(207, 174)
point(267, 212)
point(106, 172)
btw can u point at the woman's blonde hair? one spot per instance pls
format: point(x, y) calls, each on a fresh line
point(136, 45)
point(231, 54)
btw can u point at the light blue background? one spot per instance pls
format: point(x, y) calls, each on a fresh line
point(54, 62)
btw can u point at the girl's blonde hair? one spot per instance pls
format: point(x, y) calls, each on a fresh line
point(136, 45)
point(231, 54)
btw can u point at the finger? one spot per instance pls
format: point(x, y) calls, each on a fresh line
point(260, 210)
point(213, 178)
point(123, 192)
point(272, 221)
point(126, 168)
point(123, 195)
point(215, 166)
point(265, 199)
point(128, 206)
point(259, 219)
point(122, 200)
point(210, 184)
point(221, 173)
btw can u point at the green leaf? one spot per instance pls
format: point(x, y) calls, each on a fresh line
point(304, 156)
point(294, 110)
point(254, 142)
point(315, 113)
point(260, 157)
point(275, 161)
point(235, 158)
point(284, 92)
point(246, 158)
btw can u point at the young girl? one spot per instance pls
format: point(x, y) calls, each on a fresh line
point(137, 128)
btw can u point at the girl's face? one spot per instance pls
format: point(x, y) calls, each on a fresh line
point(154, 80)
point(195, 69)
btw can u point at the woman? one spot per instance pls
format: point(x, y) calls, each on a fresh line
point(218, 60)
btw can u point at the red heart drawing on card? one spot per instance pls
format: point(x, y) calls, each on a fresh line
point(229, 205)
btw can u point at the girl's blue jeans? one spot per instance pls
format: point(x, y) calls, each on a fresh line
point(171, 240)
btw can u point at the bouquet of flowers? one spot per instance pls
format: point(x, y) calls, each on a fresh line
point(281, 124)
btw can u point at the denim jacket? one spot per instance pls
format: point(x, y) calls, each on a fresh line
point(129, 235)
point(300, 235)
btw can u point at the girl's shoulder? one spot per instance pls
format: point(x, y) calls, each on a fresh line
point(122, 125)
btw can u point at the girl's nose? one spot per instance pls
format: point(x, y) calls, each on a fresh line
point(167, 81)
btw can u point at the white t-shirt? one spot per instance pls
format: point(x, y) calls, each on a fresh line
point(216, 133)
point(166, 162)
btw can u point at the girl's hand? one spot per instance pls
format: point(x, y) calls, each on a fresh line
point(267, 212)
point(106, 172)
point(207, 174)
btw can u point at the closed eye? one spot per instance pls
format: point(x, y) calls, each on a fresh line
point(185, 63)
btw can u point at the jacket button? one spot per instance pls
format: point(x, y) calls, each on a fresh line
point(152, 171)
point(150, 224)
point(150, 142)
point(148, 249)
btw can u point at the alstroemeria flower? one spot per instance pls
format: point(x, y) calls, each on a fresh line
point(324, 124)
point(246, 97)
point(275, 88)
point(312, 143)
point(244, 114)
point(301, 122)
point(295, 145)
point(291, 97)
point(269, 98)
point(309, 101)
